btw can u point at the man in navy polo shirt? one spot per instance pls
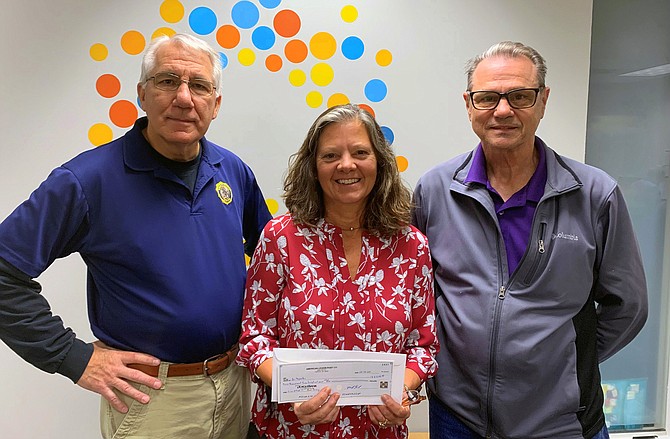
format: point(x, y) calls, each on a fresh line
point(162, 218)
point(538, 276)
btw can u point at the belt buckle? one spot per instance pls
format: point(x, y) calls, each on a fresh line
point(205, 368)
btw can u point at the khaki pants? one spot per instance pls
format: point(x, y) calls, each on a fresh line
point(193, 407)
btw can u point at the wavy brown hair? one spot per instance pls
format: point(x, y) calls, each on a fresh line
point(388, 205)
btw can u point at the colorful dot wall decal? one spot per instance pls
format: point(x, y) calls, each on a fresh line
point(349, 13)
point(123, 113)
point(98, 52)
point(322, 45)
point(295, 51)
point(258, 34)
point(375, 90)
point(108, 85)
point(263, 38)
point(172, 11)
point(245, 14)
point(270, 4)
point(202, 20)
point(352, 48)
point(133, 42)
point(287, 23)
point(228, 36)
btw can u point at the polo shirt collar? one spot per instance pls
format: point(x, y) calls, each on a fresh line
point(534, 189)
point(137, 155)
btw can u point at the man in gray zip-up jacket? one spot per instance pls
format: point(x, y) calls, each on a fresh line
point(538, 276)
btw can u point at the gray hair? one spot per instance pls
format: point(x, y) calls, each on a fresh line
point(509, 49)
point(185, 40)
point(388, 206)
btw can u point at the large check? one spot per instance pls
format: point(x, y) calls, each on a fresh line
point(359, 377)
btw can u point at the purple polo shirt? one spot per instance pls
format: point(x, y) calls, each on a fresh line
point(515, 215)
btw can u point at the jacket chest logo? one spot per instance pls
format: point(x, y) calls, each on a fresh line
point(224, 192)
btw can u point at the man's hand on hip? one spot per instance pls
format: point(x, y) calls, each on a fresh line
point(108, 371)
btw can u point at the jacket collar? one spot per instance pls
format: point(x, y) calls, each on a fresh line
point(560, 177)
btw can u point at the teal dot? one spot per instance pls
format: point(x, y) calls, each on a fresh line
point(202, 20)
point(270, 4)
point(263, 37)
point(375, 90)
point(388, 134)
point(352, 48)
point(245, 14)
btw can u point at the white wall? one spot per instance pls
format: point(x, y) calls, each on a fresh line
point(49, 103)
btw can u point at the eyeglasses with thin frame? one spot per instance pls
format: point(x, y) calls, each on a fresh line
point(519, 98)
point(171, 82)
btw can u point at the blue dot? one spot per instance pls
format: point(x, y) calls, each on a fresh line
point(202, 20)
point(375, 90)
point(245, 14)
point(352, 48)
point(263, 37)
point(270, 4)
point(224, 60)
point(388, 134)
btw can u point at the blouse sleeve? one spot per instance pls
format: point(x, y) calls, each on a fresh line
point(265, 282)
point(422, 344)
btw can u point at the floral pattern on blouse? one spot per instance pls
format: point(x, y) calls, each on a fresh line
point(300, 295)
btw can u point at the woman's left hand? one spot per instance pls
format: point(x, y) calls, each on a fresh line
point(391, 413)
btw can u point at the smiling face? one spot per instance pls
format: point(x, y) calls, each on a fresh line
point(178, 119)
point(346, 166)
point(505, 128)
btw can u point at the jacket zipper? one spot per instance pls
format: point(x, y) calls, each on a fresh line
point(502, 290)
point(540, 251)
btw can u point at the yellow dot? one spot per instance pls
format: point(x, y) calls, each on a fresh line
point(163, 31)
point(98, 52)
point(384, 57)
point(349, 13)
point(323, 45)
point(273, 206)
point(246, 57)
point(338, 99)
point(172, 11)
point(402, 163)
point(99, 134)
point(322, 74)
point(247, 259)
point(132, 42)
point(297, 77)
point(314, 99)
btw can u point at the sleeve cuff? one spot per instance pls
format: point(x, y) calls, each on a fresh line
point(76, 360)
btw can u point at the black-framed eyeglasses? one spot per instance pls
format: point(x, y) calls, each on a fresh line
point(172, 82)
point(519, 98)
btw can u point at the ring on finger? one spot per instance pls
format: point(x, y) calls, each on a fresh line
point(383, 423)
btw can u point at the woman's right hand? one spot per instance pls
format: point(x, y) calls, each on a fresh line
point(320, 409)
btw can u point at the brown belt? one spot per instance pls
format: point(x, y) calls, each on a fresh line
point(210, 366)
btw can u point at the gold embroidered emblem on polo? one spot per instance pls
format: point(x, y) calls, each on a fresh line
point(224, 192)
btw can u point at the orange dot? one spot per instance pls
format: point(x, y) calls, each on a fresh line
point(287, 23)
point(123, 113)
point(295, 51)
point(402, 163)
point(228, 36)
point(133, 42)
point(108, 85)
point(367, 108)
point(273, 63)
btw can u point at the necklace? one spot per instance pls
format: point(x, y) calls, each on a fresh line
point(350, 229)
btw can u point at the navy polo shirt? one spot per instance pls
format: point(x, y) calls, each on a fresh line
point(515, 216)
point(165, 265)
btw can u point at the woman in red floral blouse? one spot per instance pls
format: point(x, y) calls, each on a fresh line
point(343, 270)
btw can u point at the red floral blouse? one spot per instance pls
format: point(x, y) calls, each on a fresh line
point(300, 295)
